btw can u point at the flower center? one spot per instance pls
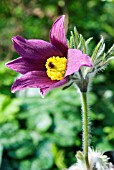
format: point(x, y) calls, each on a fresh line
point(56, 67)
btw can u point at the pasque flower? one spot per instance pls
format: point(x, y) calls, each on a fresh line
point(46, 65)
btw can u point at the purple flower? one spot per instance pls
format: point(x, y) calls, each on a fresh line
point(46, 65)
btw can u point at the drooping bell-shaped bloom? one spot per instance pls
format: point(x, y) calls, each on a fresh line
point(46, 65)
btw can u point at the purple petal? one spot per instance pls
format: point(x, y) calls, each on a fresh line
point(57, 35)
point(75, 60)
point(24, 65)
point(55, 85)
point(33, 79)
point(35, 49)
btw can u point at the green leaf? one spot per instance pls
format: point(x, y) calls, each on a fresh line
point(25, 165)
point(83, 45)
point(7, 129)
point(88, 41)
point(1, 152)
point(8, 108)
point(110, 51)
point(60, 159)
point(92, 98)
point(76, 37)
point(97, 49)
point(104, 145)
point(18, 139)
point(108, 60)
point(40, 122)
point(44, 159)
point(66, 136)
point(22, 152)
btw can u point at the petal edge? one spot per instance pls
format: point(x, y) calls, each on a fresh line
point(60, 83)
point(33, 79)
point(57, 35)
point(75, 60)
point(35, 49)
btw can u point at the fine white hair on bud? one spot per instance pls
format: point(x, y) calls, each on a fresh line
point(97, 161)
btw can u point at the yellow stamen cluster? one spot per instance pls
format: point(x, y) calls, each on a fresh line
point(56, 67)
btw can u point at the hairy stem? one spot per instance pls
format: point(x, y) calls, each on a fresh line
point(85, 128)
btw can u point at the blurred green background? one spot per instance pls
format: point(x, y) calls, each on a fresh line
point(44, 134)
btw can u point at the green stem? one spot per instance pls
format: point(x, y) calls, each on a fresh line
point(85, 128)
